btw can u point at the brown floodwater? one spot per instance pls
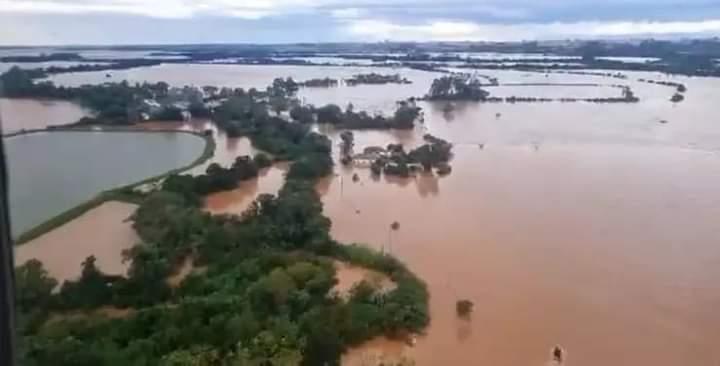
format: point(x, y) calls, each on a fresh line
point(608, 251)
point(585, 225)
point(103, 232)
point(589, 226)
point(348, 276)
point(236, 201)
point(19, 114)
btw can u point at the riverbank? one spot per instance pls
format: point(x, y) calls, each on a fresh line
point(123, 193)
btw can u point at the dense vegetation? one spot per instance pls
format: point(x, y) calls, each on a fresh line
point(116, 65)
point(320, 83)
point(435, 153)
point(265, 297)
point(216, 178)
point(112, 102)
point(404, 117)
point(57, 56)
point(373, 78)
point(457, 87)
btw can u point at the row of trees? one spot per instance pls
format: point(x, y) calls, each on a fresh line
point(320, 83)
point(404, 116)
point(216, 178)
point(373, 78)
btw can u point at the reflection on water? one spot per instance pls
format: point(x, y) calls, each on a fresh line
point(50, 172)
point(19, 114)
point(63, 250)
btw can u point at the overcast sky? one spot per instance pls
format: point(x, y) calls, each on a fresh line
point(55, 22)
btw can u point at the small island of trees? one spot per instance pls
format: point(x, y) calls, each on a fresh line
point(457, 87)
point(373, 78)
point(394, 160)
point(320, 83)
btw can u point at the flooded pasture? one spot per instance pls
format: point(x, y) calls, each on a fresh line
point(220, 75)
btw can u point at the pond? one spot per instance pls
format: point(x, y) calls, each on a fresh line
point(51, 172)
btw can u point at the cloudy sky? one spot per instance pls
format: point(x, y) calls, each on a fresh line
point(54, 22)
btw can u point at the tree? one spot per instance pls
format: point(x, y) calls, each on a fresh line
point(279, 104)
point(311, 167)
point(262, 161)
point(275, 287)
point(677, 98)
point(91, 290)
point(330, 113)
point(347, 138)
point(33, 285)
point(405, 115)
point(195, 356)
point(302, 114)
point(457, 87)
point(464, 308)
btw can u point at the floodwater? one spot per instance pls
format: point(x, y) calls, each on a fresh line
point(63, 250)
point(19, 114)
point(234, 76)
point(608, 251)
point(348, 276)
point(50, 172)
point(236, 201)
point(589, 226)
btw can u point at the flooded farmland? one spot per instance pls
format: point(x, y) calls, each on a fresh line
point(587, 225)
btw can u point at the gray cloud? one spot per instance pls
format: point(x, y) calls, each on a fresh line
point(170, 21)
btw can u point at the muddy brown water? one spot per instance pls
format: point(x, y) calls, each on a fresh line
point(28, 114)
point(103, 232)
point(609, 252)
point(589, 226)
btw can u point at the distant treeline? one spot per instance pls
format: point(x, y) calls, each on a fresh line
point(464, 87)
point(115, 103)
point(60, 56)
